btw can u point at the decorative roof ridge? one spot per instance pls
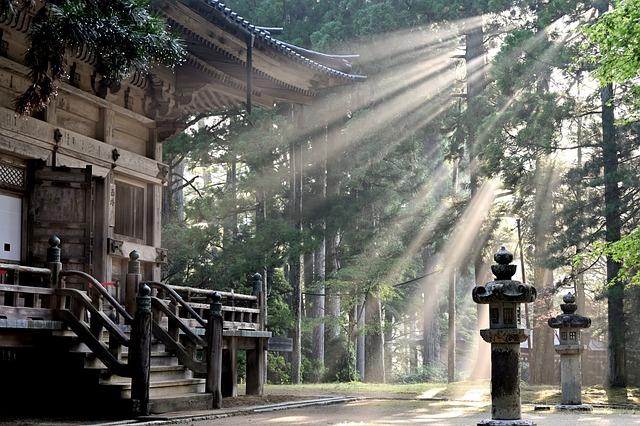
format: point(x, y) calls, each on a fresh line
point(283, 47)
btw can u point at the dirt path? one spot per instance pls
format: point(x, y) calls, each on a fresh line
point(392, 412)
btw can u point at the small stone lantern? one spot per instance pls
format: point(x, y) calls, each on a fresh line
point(504, 297)
point(569, 325)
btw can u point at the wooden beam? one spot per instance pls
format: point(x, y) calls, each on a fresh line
point(21, 70)
point(222, 82)
point(147, 253)
point(37, 137)
point(106, 124)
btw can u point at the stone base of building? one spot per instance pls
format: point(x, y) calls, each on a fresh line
point(493, 422)
point(574, 407)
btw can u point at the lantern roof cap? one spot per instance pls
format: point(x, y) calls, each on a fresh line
point(504, 289)
point(568, 318)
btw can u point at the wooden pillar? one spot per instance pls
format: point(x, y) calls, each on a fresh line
point(214, 351)
point(154, 204)
point(255, 368)
point(140, 353)
point(230, 369)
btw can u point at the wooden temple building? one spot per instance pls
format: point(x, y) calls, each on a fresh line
point(89, 170)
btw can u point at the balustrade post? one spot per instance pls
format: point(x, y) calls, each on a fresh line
point(257, 291)
point(259, 361)
point(55, 265)
point(134, 277)
point(214, 351)
point(140, 353)
point(53, 261)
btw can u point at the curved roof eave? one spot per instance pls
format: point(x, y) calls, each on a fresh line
point(286, 49)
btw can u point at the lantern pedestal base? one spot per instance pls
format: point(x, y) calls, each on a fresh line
point(492, 422)
point(574, 407)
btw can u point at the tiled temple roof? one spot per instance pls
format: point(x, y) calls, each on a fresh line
point(293, 52)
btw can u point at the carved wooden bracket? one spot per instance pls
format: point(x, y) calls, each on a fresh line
point(163, 172)
point(114, 247)
point(162, 255)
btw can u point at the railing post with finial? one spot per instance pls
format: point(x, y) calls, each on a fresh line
point(214, 350)
point(256, 357)
point(53, 261)
point(257, 291)
point(55, 266)
point(140, 352)
point(134, 277)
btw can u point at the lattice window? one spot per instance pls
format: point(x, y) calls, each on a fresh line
point(130, 211)
point(495, 315)
point(508, 316)
point(12, 177)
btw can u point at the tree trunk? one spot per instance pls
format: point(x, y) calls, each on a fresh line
point(612, 207)
point(413, 349)
point(307, 274)
point(542, 352)
point(295, 278)
point(374, 341)
point(360, 313)
point(231, 221)
point(173, 196)
point(476, 83)
point(451, 341)
point(317, 348)
point(430, 311)
point(332, 299)
point(388, 333)
point(319, 195)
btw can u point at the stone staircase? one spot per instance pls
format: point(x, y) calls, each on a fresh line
point(172, 386)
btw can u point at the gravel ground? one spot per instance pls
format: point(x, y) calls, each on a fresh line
point(392, 412)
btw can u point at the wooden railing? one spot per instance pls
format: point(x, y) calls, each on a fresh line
point(190, 322)
point(87, 321)
point(239, 311)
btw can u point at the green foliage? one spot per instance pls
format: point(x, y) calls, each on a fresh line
point(423, 374)
point(124, 35)
point(278, 370)
point(616, 35)
point(341, 360)
point(626, 251)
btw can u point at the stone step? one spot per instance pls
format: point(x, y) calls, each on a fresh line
point(157, 358)
point(158, 373)
point(189, 401)
point(165, 388)
point(93, 363)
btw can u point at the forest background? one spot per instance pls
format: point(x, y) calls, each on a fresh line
point(374, 212)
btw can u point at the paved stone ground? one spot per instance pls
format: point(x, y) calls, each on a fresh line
point(394, 412)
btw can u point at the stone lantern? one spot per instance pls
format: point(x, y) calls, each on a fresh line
point(504, 297)
point(569, 325)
